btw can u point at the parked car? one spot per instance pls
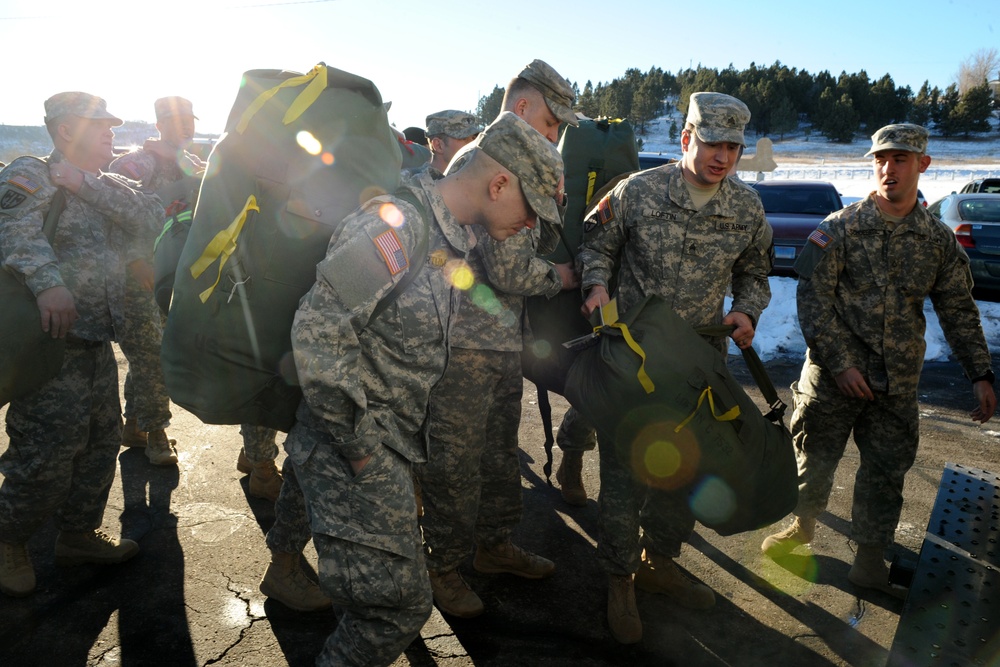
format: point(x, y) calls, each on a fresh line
point(648, 160)
point(921, 199)
point(794, 209)
point(990, 185)
point(975, 219)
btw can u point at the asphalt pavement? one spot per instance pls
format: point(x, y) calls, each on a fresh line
point(190, 597)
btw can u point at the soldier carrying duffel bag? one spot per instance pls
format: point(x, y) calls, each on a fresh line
point(300, 152)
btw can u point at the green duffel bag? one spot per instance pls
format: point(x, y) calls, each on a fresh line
point(663, 396)
point(593, 154)
point(29, 357)
point(299, 153)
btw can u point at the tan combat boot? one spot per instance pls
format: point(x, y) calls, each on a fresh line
point(131, 435)
point(285, 582)
point(570, 478)
point(507, 558)
point(659, 574)
point(161, 450)
point(623, 615)
point(869, 571)
point(93, 546)
point(453, 596)
point(265, 480)
point(243, 463)
point(17, 577)
point(781, 544)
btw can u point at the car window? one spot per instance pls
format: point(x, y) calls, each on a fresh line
point(935, 208)
point(797, 200)
point(980, 210)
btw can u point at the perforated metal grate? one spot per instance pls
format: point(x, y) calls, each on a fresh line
point(952, 614)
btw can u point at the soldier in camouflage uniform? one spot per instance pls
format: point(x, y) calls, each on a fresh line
point(161, 166)
point(684, 232)
point(64, 436)
point(863, 279)
point(366, 377)
point(471, 486)
point(448, 132)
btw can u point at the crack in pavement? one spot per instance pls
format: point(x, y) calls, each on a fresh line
point(252, 619)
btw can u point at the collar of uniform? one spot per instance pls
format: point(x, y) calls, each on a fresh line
point(918, 221)
point(453, 232)
point(678, 193)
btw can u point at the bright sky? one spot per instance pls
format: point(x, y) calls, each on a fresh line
point(446, 54)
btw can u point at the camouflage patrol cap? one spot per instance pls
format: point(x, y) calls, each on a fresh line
point(527, 154)
point(556, 90)
point(452, 123)
point(718, 118)
point(173, 106)
point(82, 105)
point(900, 137)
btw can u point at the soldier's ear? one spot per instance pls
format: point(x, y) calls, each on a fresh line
point(499, 184)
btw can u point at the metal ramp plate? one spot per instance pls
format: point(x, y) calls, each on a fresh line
point(951, 617)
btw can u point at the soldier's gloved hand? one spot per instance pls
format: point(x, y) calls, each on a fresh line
point(57, 309)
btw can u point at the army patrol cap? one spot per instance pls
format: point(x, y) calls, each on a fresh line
point(527, 154)
point(82, 105)
point(173, 106)
point(718, 118)
point(900, 137)
point(452, 123)
point(556, 90)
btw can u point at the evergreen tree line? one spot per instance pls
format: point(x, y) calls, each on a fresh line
point(779, 98)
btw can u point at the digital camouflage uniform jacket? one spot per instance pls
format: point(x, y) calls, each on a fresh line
point(87, 255)
point(365, 381)
point(861, 296)
point(687, 257)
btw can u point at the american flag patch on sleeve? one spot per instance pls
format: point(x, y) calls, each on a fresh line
point(24, 183)
point(819, 238)
point(392, 251)
point(605, 213)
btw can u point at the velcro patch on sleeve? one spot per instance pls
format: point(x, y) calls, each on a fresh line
point(605, 213)
point(132, 171)
point(819, 238)
point(392, 251)
point(25, 183)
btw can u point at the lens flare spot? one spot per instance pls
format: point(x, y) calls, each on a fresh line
point(309, 143)
point(462, 278)
point(662, 459)
point(713, 501)
point(542, 349)
point(327, 159)
point(484, 298)
point(391, 215)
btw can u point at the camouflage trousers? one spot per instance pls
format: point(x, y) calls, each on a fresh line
point(576, 433)
point(886, 432)
point(627, 503)
point(471, 483)
point(365, 531)
point(145, 391)
point(64, 442)
point(259, 443)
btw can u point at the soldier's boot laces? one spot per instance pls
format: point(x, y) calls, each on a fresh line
point(285, 582)
point(623, 615)
point(265, 480)
point(869, 571)
point(453, 596)
point(508, 558)
point(161, 450)
point(17, 576)
point(658, 574)
point(570, 478)
point(131, 435)
point(93, 546)
point(781, 544)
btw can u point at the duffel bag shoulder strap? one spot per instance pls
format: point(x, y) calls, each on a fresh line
point(757, 370)
point(419, 253)
point(56, 207)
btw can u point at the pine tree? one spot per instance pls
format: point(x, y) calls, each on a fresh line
point(489, 105)
point(843, 121)
point(920, 113)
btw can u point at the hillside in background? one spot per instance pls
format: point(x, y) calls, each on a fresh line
point(18, 140)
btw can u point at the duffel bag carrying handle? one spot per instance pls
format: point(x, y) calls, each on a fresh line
point(757, 370)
